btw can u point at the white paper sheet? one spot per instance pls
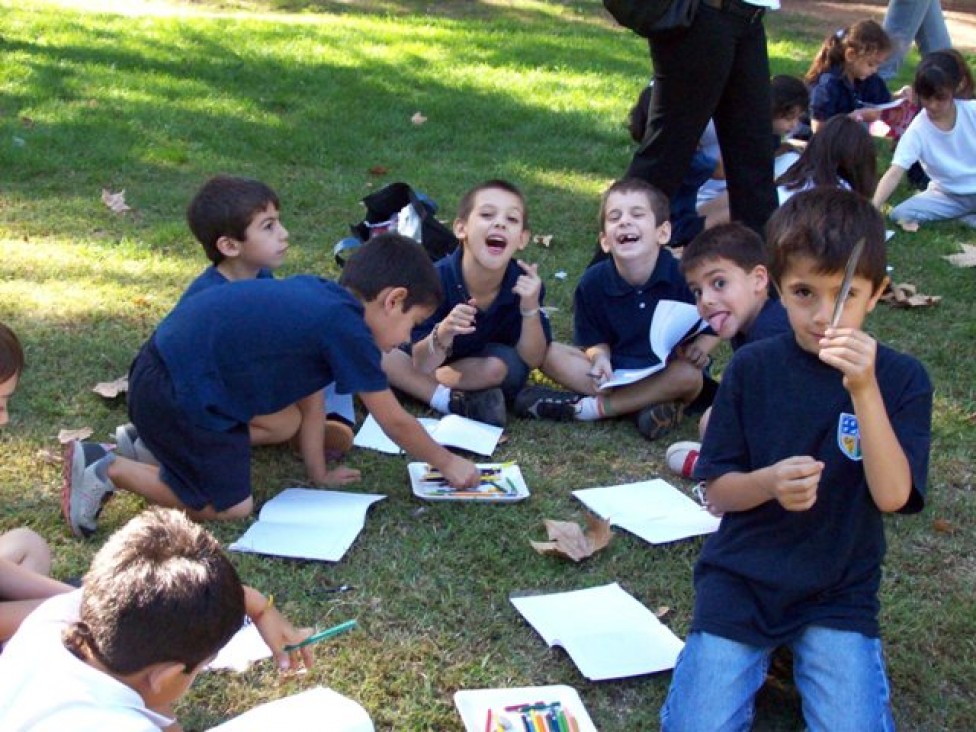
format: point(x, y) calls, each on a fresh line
point(450, 431)
point(313, 710)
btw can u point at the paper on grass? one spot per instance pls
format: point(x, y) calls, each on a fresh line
point(310, 711)
point(304, 523)
point(243, 649)
point(673, 323)
point(608, 633)
point(654, 510)
point(473, 704)
point(449, 431)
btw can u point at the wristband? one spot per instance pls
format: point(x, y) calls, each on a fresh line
point(528, 313)
point(437, 344)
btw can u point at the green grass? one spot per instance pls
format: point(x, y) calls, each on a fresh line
point(309, 102)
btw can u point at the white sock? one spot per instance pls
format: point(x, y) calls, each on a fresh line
point(441, 399)
point(588, 409)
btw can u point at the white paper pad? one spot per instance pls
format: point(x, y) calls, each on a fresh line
point(310, 711)
point(608, 633)
point(654, 510)
point(246, 647)
point(450, 431)
point(473, 704)
point(305, 523)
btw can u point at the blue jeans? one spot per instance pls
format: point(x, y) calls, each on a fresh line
point(905, 21)
point(840, 676)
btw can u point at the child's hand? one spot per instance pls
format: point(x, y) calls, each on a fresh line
point(277, 632)
point(693, 354)
point(461, 473)
point(852, 352)
point(906, 92)
point(340, 476)
point(795, 482)
point(600, 368)
point(528, 286)
point(460, 321)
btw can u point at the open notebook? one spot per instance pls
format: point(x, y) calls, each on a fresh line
point(608, 633)
point(309, 711)
point(449, 431)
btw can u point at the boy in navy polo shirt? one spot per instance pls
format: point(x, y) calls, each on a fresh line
point(725, 268)
point(814, 436)
point(615, 303)
point(254, 347)
point(238, 224)
point(477, 349)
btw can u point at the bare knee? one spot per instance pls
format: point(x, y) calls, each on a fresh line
point(495, 370)
point(26, 548)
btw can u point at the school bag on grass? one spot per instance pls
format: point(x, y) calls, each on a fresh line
point(650, 17)
point(397, 207)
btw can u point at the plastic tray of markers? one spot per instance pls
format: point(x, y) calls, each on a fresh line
point(555, 708)
point(500, 483)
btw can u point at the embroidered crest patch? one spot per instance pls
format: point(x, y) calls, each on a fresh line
point(849, 436)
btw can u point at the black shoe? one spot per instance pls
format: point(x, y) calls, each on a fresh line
point(659, 420)
point(538, 402)
point(485, 405)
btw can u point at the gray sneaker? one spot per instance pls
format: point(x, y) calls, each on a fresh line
point(83, 492)
point(539, 402)
point(484, 405)
point(659, 420)
point(129, 445)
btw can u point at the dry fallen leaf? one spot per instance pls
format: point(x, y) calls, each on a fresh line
point(910, 226)
point(418, 119)
point(941, 526)
point(906, 295)
point(378, 170)
point(111, 389)
point(47, 457)
point(966, 258)
point(543, 239)
point(115, 201)
point(66, 436)
point(567, 539)
point(662, 611)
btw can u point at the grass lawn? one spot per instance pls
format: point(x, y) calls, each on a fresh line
point(316, 98)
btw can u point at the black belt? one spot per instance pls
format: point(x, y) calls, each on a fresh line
point(738, 8)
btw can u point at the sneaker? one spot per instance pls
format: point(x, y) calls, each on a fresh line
point(658, 420)
point(83, 492)
point(538, 402)
point(682, 456)
point(484, 405)
point(129, 445)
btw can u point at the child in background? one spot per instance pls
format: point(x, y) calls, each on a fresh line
point(790, 99)
point(841, 154)
point(237, 222)
point(25, 559)
point(815, 435)
point(843, 77)
point(253, 347)
point(725, 268)
point(614, 305)
point(158, 602)
point(477, 349)
point(942, 138)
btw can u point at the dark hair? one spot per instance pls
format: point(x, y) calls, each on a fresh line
point(943, 74)
point(824, 224)
point(864, 37)
point(657, 201)
point(637, 117)
point(225, 206)
point(11, 354)
point(788, 93)
point(466, 206)
point(733, 241)
point(393, 260)
point(160, 590)
point(841, 149)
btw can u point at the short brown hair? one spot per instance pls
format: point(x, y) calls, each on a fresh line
point(657, 201)
point(11, 354)
point(159, 590)
point(466, 206)
point(732, 241)
point(225, 206)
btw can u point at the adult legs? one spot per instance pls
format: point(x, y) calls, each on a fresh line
point(905, 21)
point(842, 682)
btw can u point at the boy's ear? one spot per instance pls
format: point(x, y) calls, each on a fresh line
point(394, 299)
point(460, 229)
point(876, 295)
point(604, 242)
point(761, 275)
point(525, 237)
point(228, 246)
point(664, 233)
point(160, 676)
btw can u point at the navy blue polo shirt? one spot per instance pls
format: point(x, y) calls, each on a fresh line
point(772, 320)
point(500, 323)
point(212, 276)
point(768, 573)
point(610, 310)
point(835, 94)
point(255, 346)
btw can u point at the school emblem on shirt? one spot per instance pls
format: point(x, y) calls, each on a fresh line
point(849, 436)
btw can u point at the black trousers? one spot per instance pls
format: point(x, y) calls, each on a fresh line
point(719, 69)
